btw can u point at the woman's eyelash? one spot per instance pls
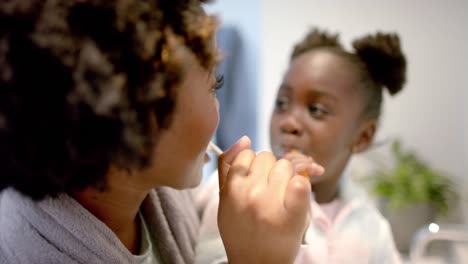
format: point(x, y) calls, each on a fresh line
point(219, 82)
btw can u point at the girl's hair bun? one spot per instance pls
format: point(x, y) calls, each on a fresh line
point(382, 55)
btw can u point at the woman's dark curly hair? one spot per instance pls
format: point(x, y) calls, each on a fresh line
point(89, 83)
point(378, 59)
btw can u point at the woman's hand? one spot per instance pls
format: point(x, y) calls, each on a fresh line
point(263, 208)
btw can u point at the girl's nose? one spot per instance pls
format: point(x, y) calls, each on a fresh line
point(290, 124)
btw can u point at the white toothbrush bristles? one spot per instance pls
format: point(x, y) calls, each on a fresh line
point(215, 149)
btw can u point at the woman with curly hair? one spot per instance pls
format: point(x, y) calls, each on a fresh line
point(327, 109)
point(106, 111)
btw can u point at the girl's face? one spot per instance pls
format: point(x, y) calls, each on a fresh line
point(318, 112)
point(180, 153)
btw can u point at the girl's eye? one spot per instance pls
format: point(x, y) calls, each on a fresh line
point(317, 111)
point(218, 84)
point(281, 104)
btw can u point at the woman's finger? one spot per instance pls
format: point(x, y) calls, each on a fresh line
point(261, 167)
point(279, 176)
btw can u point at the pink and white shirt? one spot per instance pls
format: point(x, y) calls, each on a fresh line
point(347, 231)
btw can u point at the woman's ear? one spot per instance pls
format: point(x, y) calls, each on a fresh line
point(365, 136)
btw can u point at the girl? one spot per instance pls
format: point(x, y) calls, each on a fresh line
point(327, 107)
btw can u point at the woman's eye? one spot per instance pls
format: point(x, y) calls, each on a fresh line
point(281, 104)
point(218, 84)
point(317, 111)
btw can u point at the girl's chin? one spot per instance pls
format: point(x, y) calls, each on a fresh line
point(315, 180)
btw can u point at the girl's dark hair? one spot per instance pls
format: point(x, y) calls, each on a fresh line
point(378, 59)
point(89, 83)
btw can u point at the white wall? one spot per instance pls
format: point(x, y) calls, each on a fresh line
point(431, 114)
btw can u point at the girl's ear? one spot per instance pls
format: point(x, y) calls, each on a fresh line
point(365, 136)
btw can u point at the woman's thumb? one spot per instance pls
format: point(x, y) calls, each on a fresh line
point(225, 159)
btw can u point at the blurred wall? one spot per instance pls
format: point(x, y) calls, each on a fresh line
point(431, 114)
point(244, 16)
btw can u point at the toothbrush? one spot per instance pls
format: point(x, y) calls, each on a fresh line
point(215, 149)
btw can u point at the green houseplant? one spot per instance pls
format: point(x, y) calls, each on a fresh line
point(411, 193)
point(412, 181)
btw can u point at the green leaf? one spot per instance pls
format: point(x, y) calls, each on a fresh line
point(412, 181)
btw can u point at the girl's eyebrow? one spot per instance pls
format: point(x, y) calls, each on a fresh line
point(322, 94)
point(314, 93)
point(284, 87)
